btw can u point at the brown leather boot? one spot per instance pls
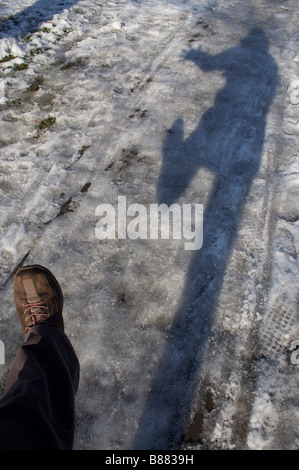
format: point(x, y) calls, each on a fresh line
point(38, 297)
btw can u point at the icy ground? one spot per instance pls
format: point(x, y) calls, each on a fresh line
point(160, 101)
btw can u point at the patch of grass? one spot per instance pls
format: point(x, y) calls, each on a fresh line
point(33, 52)
point(16, 102)
point(22, 66)
point(66, 207)
point(86, 187)
point(76, 63)
point(48, 122)
point(35, 86)
point(83, 150)
point(7, 58)
point(45, 30)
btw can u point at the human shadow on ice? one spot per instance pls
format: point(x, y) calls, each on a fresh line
point(30, 19)
point(229, 142)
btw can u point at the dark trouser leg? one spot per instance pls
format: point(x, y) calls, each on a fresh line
point(37, 410)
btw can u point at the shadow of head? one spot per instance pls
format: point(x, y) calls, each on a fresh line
point(257, 40)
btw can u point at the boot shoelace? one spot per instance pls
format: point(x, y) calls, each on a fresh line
point(35, 316)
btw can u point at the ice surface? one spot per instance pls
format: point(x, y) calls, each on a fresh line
point(159, 101)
